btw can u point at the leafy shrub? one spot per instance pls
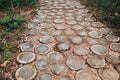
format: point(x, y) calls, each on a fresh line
point(107, 11)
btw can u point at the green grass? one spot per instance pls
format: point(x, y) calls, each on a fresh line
point(11, 23)
point(106, 11)
point(6, 55)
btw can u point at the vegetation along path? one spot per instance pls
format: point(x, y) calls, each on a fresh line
point(65, 42)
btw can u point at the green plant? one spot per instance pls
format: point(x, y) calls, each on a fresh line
point(18, 36)
point(3, 35)
point(6, 55)
point(12, 23)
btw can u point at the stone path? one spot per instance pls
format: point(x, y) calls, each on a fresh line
point(65, 42)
